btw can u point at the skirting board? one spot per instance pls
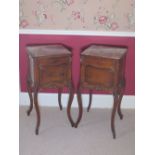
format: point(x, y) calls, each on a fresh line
point(98, 101)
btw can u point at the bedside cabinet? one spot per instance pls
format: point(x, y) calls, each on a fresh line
point(103, 68)
point(49, 67)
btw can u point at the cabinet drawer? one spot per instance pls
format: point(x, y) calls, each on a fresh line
point(98, 62)
point(53, 60)
point(98, 77)
point(54, 74)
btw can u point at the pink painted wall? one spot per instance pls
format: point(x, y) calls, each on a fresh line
point(76, 42)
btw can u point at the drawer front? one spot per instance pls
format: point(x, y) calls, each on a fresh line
point(97, 77)
point(53, 60)
point(56, 75)
point(98, 62)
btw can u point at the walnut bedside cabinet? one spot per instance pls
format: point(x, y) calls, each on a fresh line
point(103, 68)
point(49, 67)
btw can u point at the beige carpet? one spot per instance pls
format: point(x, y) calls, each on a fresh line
point(92, 137)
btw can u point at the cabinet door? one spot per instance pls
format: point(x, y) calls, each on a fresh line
point(54, 74)
point(98, 73)
point(100, 78)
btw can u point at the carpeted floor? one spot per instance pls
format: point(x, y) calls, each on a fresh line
point(92, 137)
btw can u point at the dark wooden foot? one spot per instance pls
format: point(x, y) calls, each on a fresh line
point(29, 111)
point(71, 96)
point(80, 108)
point(59, 98)
point(29, 89)
point(119, 106)
point(113, 115)
point(90, 101)
point(37, 132)
point(37, 109)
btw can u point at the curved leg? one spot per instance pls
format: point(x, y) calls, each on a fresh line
point(80, 108)
point(37, 109)
point(119, 106)
point(71, 96)
point(90, 100)
point(113, 114)
point(59, 98)
point(29, 89)
point(122, 86)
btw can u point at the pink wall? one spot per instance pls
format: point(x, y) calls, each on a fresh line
point(76, 42)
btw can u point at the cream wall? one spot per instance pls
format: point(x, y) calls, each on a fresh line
point(98, 15)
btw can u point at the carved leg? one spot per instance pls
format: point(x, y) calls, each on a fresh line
point(90, 100)
point(29, 89)
point(119, 106)
point(121, 90)
point(71, 96)
point(37, 109)
point(113, 114)
point(59, 98)
point(80, 108)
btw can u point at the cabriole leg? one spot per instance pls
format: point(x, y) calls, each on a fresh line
point(90, 100)
point(119, 106)
point(37, 109)
point(29, 89)
point(71, 96)
point(113, 114)
point(59, 98)
point(80, 108)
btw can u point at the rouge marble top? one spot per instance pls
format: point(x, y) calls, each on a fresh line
point(48, 50)
point(114, 52)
